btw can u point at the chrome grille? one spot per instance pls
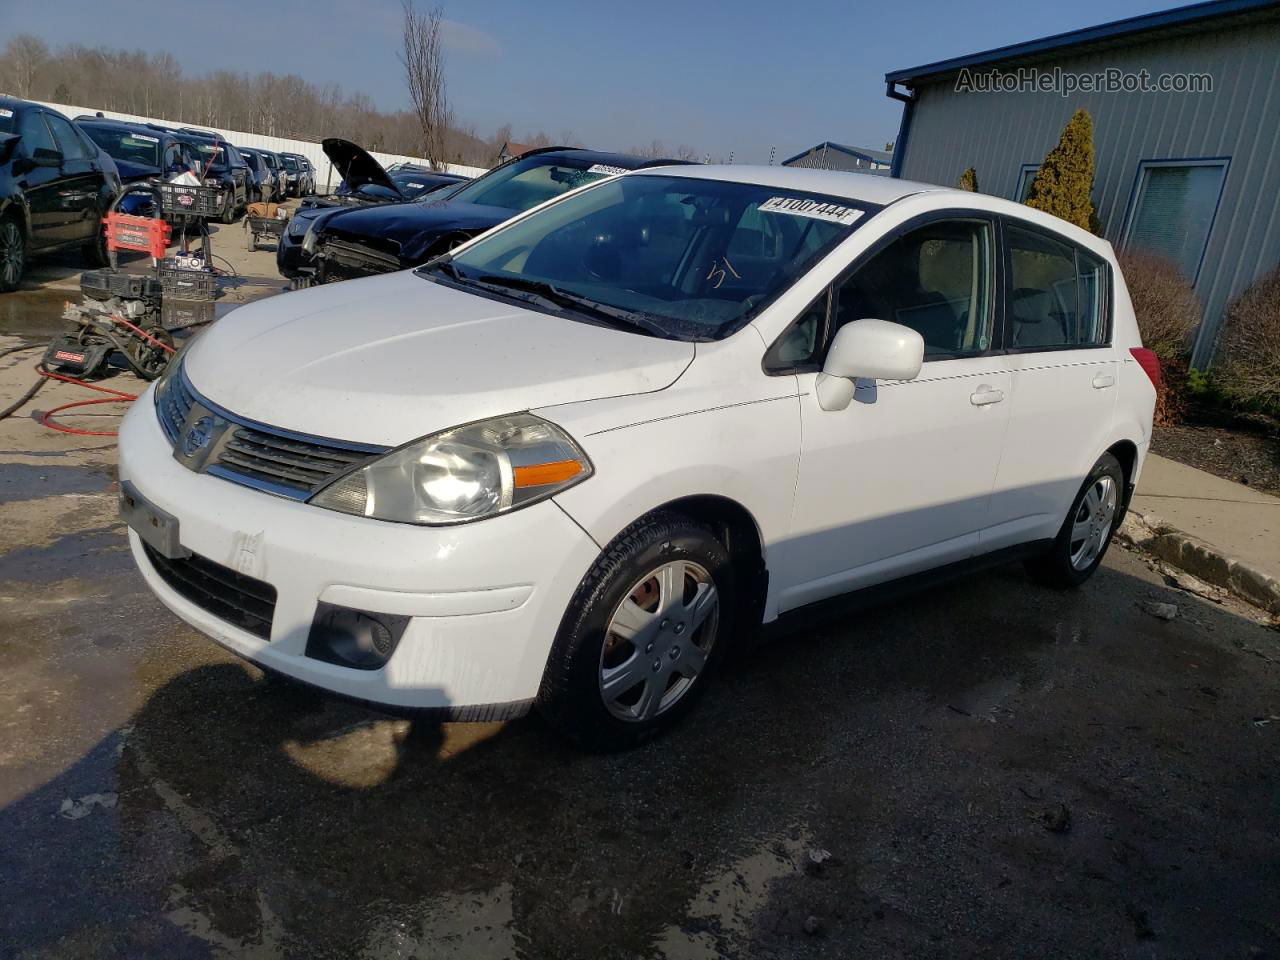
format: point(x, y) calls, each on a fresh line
point(302, 465)
point(252, 454)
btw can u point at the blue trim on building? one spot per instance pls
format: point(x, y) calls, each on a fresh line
point(1107, 31)
point(904, 128)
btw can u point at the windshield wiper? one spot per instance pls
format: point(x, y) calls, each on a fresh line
point(445, 265)
point(612, 316)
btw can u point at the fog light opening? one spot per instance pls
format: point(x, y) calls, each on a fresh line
point(360, 639)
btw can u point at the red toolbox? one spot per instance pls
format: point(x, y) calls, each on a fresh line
point(144, 234)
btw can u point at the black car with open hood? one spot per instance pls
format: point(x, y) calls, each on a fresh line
point(354, 243)
point(364, 182)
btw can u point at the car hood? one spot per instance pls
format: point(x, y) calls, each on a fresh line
point(355, 165)
point(414, 225)
point(388, 359)
point(130, 171)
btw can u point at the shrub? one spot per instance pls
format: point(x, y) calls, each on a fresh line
point(1064, 183)
point(969, 180)
point(1168, 314)
point(1247, 362)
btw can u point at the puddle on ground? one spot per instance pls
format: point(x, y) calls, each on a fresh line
point(20, 481)
point(34, 313)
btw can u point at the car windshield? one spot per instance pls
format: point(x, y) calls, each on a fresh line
point(522, 184)
point(413, 183)
point(211, 154)
point(6, 120)
point(290, 163)
point(269, 160)
point(141, 148)
point(679, 257)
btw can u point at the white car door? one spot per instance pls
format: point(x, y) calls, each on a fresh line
point(900, 481)
point(1063, 371)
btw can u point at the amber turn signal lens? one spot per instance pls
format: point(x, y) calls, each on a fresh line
point(542, 474)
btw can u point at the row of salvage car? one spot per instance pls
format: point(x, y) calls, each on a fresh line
point(379, 221)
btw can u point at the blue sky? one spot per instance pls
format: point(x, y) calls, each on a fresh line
point(719, 76)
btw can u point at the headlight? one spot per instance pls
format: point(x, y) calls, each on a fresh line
point(461, 474)
point(309, 241)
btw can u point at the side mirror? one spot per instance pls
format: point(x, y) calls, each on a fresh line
point(867, 350)
point(44, 157)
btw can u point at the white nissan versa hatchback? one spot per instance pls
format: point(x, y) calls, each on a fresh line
point(575, 461)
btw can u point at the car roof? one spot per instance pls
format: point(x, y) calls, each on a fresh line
point(129, 125)
point(837, 183)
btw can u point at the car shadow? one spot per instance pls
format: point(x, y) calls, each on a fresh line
point(925, 745)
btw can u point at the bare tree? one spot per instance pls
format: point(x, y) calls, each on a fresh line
point(25, 54)
point(423, 62)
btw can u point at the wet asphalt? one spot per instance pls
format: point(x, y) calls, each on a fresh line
point(988, 769)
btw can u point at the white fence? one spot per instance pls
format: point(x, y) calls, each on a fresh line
point(326, 177)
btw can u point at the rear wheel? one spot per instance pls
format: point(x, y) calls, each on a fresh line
point(645, 629)
point(1086, 533)
point(95, 251)
point(13, 254)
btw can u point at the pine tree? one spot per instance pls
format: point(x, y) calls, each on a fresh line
point(1064, 183)
point(969, 180)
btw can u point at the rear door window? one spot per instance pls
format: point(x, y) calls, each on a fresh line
point(1057, 293)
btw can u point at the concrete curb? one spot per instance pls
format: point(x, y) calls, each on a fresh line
point(1203, 560)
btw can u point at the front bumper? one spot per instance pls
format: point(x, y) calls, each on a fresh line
point(484, 599)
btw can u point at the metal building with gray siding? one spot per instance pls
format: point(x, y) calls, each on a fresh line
point(1192, 175)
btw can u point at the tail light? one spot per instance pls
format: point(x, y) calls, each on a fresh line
point(1149, 362)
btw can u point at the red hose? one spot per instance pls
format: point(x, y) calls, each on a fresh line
point(117, 396)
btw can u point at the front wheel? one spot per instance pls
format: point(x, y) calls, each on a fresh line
point(1086, 533)
point(645, 629)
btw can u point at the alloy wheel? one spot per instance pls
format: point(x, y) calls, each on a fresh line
point(1092, 522)
point(658, 641)
point(12, 254)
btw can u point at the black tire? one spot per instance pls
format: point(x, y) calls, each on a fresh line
point(571, 696)
point(228, 214)
point(13, 254)
point(95, 251)
point(1055, 568)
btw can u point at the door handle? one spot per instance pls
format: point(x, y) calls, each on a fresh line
point(984, 395)
point(1103, 380)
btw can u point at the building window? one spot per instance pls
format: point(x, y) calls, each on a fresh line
point(1025, 178)
point(1173, 209)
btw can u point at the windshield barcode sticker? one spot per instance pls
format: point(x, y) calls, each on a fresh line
point(817, 209)
point(5, 113)
point(606, 169)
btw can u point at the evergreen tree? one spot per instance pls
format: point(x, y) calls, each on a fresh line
point(1064, 183)
point(969, 180)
